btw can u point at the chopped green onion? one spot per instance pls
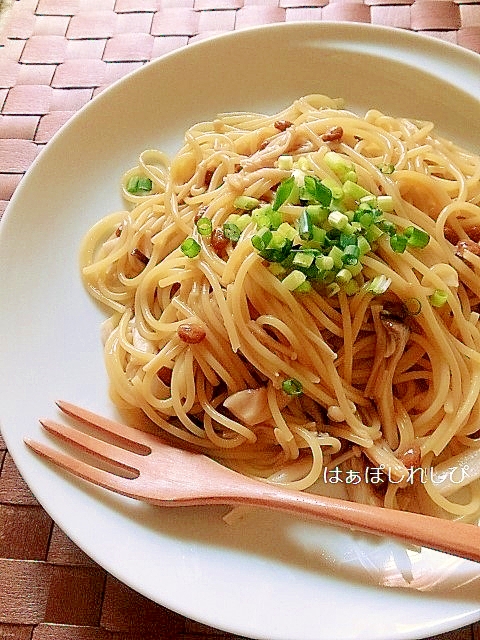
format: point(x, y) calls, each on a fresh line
point(276, 219)
point(318, 191)
point(337, 219)
point(438, 298)
point(354, 190)
point(294, 279)
point(231, 231)
point(190, 247)
point(331, 239)
point(303, 259)
point(261, 240)
point(287, 231)
point(351, 254)
point(304, 164)
point(277, 253)
point(364, 218)
point(243, 221)
point(347, 239)
point(342, 167)
point(385, 203)
point(322, 236)
point(318, 236)
point(332, 236)
point(379, 284)
point(398, 242)
point(387, 227)
point(332, 289)
point(305, 226)
point(387, 168)
point(318, 213)
point(369, 201)
point(277, 269)
point(327, 277)
point(258, 243)
point(292, 387)
point(305, 287)
point(343, 276)
point(363, 245)
point(265, 216)
point(324, 263)
point(285, 162)
point(246, 202)
point(284, 191)
point(139, 185)
point(277, 241)
point(204, 226)
point(373, 233)
point(355, 269)
point(337, 256)
point(416, 237)
point(334, 186)
point(356, 228)
point(351, 287)
point(272, 245)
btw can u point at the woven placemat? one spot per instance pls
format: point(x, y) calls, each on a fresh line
point(55, 55)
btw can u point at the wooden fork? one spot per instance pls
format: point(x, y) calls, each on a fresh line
point(155, 472)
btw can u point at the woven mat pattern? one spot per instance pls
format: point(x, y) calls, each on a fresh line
point(55, 56)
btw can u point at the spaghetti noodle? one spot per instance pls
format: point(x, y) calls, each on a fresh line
point(298, 296)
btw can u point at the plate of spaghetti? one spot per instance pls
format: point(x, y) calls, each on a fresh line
point(278, 263)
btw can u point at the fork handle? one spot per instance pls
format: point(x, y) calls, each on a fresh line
point(456, 538)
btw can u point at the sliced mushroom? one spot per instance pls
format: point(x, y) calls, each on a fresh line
point(250, 406)
point(392, 338)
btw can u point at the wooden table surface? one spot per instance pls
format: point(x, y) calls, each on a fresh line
point(55, 56)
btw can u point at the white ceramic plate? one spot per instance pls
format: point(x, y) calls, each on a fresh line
point(266, 576)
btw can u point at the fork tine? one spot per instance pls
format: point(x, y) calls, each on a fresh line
point(82, 469)
point(134, 439)
point(89, 444)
